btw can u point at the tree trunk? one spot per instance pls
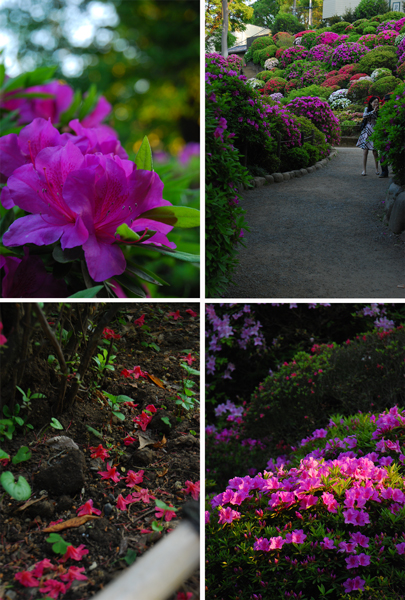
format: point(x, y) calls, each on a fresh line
point(225, 19)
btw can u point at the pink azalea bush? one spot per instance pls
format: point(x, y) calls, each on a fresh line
point(347, 53)
point(328, 518)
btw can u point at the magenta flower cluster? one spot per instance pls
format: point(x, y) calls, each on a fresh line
point(347, 53)
point(78, 189)
point(320, 113)
point(292, 54)
point(320, 52)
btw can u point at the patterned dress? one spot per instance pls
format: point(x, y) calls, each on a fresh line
point(364, 139)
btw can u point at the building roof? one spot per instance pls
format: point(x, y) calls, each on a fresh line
point(237, 49)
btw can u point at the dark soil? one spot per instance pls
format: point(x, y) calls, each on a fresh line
point(65, 480)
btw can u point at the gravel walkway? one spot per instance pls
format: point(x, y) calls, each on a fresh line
point(319, 236)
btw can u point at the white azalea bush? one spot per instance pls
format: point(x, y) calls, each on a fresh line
point(399, 39)
point(271, 63)
point(255, 83)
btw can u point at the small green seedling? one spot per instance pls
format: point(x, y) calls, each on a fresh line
point(167, 421)
point(103, 361)
point(59, 545)
point(55, 423)
point(130, 557)
point(8, 425)
point(114, 401)
point(27, 397)
point(19, 490)
point(156, 526)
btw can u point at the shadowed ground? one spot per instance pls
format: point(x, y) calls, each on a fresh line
point(319, 236)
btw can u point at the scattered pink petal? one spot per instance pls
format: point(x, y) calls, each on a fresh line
point(74, 573)
point(133, 478)
point(189, 359)
point(193, 489)
point(53, 588)
point(75, 553)
point(26, 579)
point(111, 473)
point(191, 312)
point(99, 452)
point(176, 315)
point(140, 321)
point(88, 509)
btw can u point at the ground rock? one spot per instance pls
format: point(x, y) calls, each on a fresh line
point(278, 177)
point(397, 218)
point(304, 171)
point(260, 181)
point(44, 509)
point(311, 169)
point(143, 457)
point(298, 174)
point(65, 477)
point(286, 176)
point(269, 178)
point(392, 193)
point(104, 533)
point(159, 425)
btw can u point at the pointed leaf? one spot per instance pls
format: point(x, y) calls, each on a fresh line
point(175, 253)
point(177, 216)
point(19, 490)
point(2, 74)
point(146, 275)
point(143, 159)
point(67, 255)
point(90, 293)
point(70, 112)
point(126, 233)
point(88, 102)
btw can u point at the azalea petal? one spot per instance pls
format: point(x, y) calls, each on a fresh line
point(103, 260)
point(11, 155)
point(33, 229)
point(38, 135)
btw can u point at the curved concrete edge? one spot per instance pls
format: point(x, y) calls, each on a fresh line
point(281, 177)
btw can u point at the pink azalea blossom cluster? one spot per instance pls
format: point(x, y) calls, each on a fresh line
point(328, 37)
point(347, 53)
point(319, 112)
point(387, 26)
point(320, 52)
point(351, 487)
point(292, 54)
point(385, 37)
point(51, 587)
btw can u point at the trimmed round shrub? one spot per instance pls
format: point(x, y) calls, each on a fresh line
point(353, 37)
point(392, 14)
point(368, 30)
point(319, 52)
point(399, 24)
point(265, 75)
point(367, 40)
point(383, 86)
point(359, 90)
point(349, 70)
point(340, 27)
point(340, 80)
point(286, 22)
point(327, 37)
point(277, 97)
point(307, 128)
point(329, 516)
point(385, 57)
point(279, 53)
point(292, 54)
point(260, 56)
point(367, 9)
point(349, 28)
point(254, 83)
point(385, 38)
point(235, 62)
point(261, 43)
point(347, 53)
point(282, 121)
point(399, 39)
point(275, 84)
point(311, 90)
point(379, 73)
point(319, 112)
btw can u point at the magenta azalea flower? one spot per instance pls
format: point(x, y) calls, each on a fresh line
point(81, 200)
point(97, 116)
point(47, 108)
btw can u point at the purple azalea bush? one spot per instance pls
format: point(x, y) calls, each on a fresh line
point(76, 194)
point(321, 115)
point(347, 53)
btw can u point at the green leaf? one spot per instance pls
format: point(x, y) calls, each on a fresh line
point(70, 112)
point(146, 275)
point(175, 253)
point(88, 102)
point(32, 95)
point(30, 79)
point(162, 505)
point(2, 74)
point(123, 398)
point(95, 432)
point(90, 293)
point(127, 234)
point(19, 421)
point(55, 423)
point(143, 159)
point(156, 526)
point(177, 216)
point(59, 545)
point(130, 557)
point(3, 455)
point(167, 421)
point(67, 255)
point(20, 490)
point(127, 282)
point(119, 415)
point(23, 454)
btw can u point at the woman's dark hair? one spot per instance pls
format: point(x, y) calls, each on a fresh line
point(369, 107)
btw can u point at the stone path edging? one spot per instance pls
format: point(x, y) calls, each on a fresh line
point(280, 177)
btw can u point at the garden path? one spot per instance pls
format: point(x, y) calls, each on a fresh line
point(321, 236)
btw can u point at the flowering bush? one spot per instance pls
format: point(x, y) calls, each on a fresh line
point(399, 39)
point(283, 39)
point(359, 90)
point(313, 75)
point(292, 84)
point(379, 73)
point(399, 24)
point(264, 75)
point(347, 53)
point(338, 100)
point(283, 122)
point(292, 54)
point(274, 85)
point(224, 174)
point(386, 25)
point(385, 38)
point(338, 94)
point(339, 80)
point(358, 76)
point(279, 53)
point(271, 63)
point(277, 97)
point(254, 83)
point(320, 114)
point(400, 71)
point(311, 90)
point(235, 62)
point(367, 40)
point(261, 43)
point(309, 39)
point(328, 519)
point(320, 52)
point(328, 37)
point(388, 136)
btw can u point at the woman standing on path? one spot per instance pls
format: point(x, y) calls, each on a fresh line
point(370, 113)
